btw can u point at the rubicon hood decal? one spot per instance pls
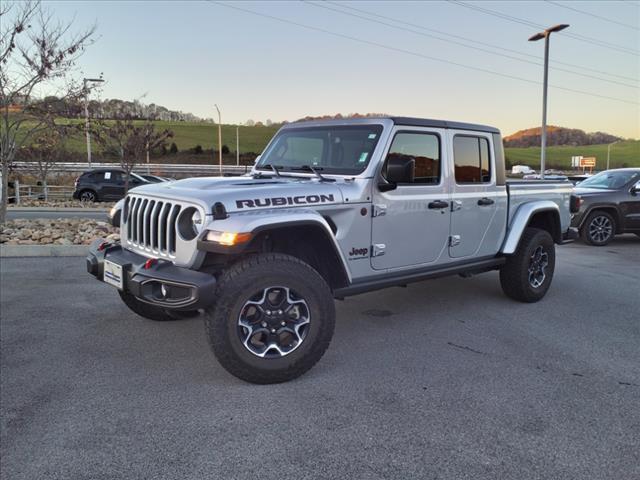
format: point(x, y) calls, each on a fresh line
point(281, 201)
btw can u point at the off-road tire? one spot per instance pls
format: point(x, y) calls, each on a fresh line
point(515, 274)
point(87, 192)
point(237, 285)
point(603, 216)
point(152, 312)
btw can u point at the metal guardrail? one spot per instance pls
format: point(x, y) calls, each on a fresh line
point(161, 168)
point(40, 192)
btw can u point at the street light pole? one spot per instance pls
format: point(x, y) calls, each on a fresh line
point(85, 81)
point(219, 138)
point(237, 145)
point(543, 140)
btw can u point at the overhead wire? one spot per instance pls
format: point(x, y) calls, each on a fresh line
point(511, 57)
point(412, 53)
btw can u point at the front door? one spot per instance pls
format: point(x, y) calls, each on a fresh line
point(475, 228)
point(410, 226)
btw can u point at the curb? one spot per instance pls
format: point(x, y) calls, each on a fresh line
point(57, 209)
point(11, 251)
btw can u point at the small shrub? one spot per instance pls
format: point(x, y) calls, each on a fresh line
point(197, 149)
point(225, 150)
point(173, 149)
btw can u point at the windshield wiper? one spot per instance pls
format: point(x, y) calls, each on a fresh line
point(309, 168)
point(274, 169)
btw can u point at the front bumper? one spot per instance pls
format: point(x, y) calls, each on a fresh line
point(159, 283)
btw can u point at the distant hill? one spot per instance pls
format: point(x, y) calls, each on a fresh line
point(557, 136)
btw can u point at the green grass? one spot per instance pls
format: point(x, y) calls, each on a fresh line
point(188, 135)
point(623, 154)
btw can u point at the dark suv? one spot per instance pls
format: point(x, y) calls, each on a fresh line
point(104, 184)
point(609, 204)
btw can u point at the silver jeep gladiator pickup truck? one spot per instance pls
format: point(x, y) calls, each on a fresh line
point(331, 209)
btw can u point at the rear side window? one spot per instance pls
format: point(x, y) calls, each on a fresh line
point(425, 149)
point(472, 159)
point(112, 177)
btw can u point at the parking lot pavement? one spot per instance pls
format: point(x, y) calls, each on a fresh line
point(444, 379)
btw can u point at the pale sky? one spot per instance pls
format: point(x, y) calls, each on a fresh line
point(189, 55)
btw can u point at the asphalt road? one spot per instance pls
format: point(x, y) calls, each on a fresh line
point(12, 215)
point(445, 379)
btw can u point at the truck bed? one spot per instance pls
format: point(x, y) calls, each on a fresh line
point(559, 192)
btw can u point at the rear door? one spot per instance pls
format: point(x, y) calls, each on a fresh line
point(476, 229)
point(410, 226)
point(112, 185)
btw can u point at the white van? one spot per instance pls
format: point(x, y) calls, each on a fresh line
point(522, 170)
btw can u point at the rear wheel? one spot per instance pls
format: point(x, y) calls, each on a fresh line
point(153, 312)
point(273, 318)
point(527, 275)
point(599, 228)
point(88, 196)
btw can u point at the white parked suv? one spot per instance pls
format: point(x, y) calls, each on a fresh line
point(331, 209)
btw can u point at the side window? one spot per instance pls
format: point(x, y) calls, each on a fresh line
point(425, 149)
point(472, 159)
point(112, 177)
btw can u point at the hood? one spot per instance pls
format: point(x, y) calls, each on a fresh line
point(247, 193)
point(591, 191)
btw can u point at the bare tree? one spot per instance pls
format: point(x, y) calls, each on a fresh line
point(37, 55)
point(45, 150)
point(130, 140)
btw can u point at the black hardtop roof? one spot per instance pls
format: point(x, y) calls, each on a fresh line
point(427, 122)
point(408, 121)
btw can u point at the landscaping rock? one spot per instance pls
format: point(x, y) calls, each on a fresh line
point(76, 231)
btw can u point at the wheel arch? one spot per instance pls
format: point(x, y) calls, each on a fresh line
point(304, 234)
point(605, 207)
point(310, 241)
point(544, 215)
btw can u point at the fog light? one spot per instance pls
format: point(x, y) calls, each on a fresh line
point(164, 290)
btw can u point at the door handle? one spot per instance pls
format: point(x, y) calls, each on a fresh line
point(485, 201)
point(438, 204)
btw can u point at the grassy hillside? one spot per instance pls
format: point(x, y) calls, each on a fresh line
point(623, 154)
point(188, 135)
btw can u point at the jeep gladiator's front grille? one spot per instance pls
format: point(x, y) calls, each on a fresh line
point(151, 225)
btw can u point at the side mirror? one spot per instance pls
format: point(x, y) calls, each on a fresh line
point(400, 169)
point(635, 189)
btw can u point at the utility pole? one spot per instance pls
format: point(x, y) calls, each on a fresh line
point(538, 36)
point(609, 152)
point(237, 145)
point(219, 138)
point(85, 81)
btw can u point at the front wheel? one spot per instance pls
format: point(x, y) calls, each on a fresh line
point(599, 228)
point(273, 318)
point(526, 275)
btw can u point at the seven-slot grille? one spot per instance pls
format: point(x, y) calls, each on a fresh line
point(151, 225)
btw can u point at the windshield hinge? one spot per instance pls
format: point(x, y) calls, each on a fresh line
point(378, 210)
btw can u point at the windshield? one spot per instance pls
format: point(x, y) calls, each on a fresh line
point(342, 150)
point(610, 180)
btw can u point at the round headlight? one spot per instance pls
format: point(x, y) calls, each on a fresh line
point(190, 223)
point(196, 220)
